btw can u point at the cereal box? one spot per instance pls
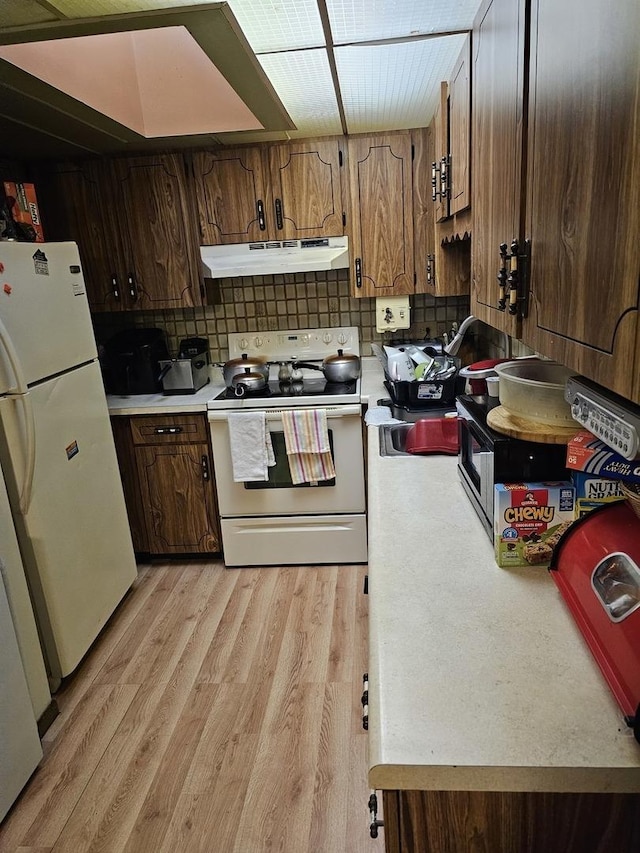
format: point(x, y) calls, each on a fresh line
point(23, 204)
point(529, 519)
point(593, 491)
point(587, 453)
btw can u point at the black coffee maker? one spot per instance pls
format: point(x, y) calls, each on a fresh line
point(131, 362)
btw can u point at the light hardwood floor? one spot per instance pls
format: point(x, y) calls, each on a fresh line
point(218, 712)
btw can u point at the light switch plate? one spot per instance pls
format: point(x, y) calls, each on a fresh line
point(392, 313)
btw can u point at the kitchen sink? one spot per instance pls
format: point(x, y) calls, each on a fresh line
point(393, 439)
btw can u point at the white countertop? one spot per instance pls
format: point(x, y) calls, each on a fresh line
point(478, 678)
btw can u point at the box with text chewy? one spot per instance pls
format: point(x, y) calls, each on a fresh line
point(587, 453)
point(592, 491)
point(529, 519)
point(24, 209)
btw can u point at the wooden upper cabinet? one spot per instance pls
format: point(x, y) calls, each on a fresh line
point(76, 203)
point(460, 131)
point(381, 231)
point(496, 179)
point(583, 201)
point(306, 189)
point(231, 193)
point(160, 247)
point(280, 192)
point(423, 225)
point(441, 153)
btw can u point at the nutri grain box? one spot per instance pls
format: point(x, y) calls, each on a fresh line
point(593, 491)
point(529, 519)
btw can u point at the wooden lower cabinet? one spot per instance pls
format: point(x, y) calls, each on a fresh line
point(168, 476)
point(510, 822)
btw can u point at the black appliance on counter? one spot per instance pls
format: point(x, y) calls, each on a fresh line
point(131, 363)
point(487, 457)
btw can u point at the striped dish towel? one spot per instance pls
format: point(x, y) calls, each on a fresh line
point(306, 438)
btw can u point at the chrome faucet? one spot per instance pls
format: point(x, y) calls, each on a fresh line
point(453, 346)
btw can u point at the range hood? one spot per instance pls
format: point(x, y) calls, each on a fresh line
point(274, 257)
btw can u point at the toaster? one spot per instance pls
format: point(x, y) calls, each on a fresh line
point(189, 372)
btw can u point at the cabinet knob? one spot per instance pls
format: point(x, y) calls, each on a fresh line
point(373, 812)
point(278, 211)
point(205, 469)
point(513, 279)
point(502, 276)
point(358, 264)
point(260, 214)
point(444, 178)
point(133, 289)
point(434, 181)
point(115, 289)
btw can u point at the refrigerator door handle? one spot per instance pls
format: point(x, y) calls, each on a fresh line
point(21, 393)
point(14, 362)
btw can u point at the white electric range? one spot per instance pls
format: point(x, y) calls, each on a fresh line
point(276, 522)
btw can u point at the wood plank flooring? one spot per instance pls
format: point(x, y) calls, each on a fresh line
point(219, 712)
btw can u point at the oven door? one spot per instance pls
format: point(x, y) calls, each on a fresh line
point(278, 495)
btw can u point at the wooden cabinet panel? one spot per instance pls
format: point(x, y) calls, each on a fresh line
point(160, 245)
point(76, 202)
point(381, 232)
point(460, 131)
point(306, 189)
point(423, 225)
point(583, 204)
point(169, 429)
point(230, 187)
point(486, 822)
point(178, 495)
point(496, 178)
point(130, 484)
point(441, 158)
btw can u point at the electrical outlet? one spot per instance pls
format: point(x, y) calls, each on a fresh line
point(392, 313)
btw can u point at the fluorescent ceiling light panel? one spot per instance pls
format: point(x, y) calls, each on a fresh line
point(391, 87)
point(368, 20)
point(157, 82)
point(303, 82)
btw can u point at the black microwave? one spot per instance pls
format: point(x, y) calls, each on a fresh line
point(487, 457)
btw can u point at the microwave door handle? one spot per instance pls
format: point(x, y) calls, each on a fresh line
point(20, 392)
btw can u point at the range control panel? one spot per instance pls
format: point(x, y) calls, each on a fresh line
point(611, 418)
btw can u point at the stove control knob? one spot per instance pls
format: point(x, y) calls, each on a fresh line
point(327, 337)
point(258, 342)
point(244, 344)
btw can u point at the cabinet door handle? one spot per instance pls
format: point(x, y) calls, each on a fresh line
point(358, 272)
point(173, 430)
point(133, 288)
point(260, 212)
point(513, 280)
point(434, 181)
point(373, 813)
point(365, 701)
point(205, 469)
point(502, 277)
point(278, 209)
point(444, 178)
point(114, 286)
point(431, 263)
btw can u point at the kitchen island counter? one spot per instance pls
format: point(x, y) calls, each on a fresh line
point(479, 679)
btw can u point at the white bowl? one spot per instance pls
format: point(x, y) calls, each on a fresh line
point(534, 390)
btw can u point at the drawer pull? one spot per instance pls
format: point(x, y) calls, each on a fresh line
point(205, 468)
point(175, 430)
point(373, 813)
point(365, 701)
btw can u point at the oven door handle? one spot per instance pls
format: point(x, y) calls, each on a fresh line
point(275, 414)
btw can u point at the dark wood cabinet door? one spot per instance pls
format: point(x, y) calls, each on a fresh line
point(76, 203)
point(487, 822)
point(459, 131)
point(178, 495)
point(498, 50)
point(381, 232)
point(305, 196)
point(125, 452)
point(160, 246)
point(441, 147)
point(423, 225)
point(583, 203)
point(231, 193)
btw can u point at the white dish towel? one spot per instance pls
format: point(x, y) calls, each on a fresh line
point(251, 448)
point(306, 438)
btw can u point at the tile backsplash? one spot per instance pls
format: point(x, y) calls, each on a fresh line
point(294, 301)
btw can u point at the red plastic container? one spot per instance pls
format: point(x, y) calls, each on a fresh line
point(596, 566)
point(433, 435)
point(484, 368)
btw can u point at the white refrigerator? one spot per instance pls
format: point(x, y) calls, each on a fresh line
point(57, 452)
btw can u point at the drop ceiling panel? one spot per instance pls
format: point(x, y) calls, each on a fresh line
point(390, 87)
point(303, 81)
point(365, 20)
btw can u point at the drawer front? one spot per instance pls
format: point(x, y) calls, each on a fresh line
point(169, 429)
